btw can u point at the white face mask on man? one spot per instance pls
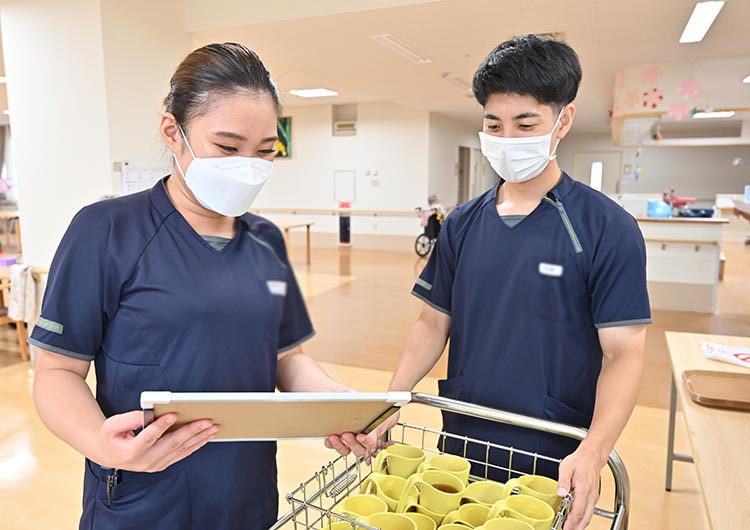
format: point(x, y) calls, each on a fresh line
point(227, 185)
point(519, 159)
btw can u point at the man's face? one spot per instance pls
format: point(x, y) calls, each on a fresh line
point(517, 116)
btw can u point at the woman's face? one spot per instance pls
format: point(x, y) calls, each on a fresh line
point(238, 124)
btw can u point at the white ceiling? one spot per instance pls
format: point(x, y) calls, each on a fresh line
point(327, 44)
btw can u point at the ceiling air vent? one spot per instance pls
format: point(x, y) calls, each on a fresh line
point(398, 46)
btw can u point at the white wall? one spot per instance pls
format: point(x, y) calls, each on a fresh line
point(55, 69)
point(694, 171)
point(446, 135)
point(144, 41)
point(391, 140)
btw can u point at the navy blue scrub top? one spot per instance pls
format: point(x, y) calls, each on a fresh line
point(135, 289)
point(525, 304)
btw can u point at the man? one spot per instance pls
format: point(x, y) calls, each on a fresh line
point(540, 284)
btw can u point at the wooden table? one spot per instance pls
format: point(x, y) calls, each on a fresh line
point(720, 439)
point(286, 227)
point(6, 216)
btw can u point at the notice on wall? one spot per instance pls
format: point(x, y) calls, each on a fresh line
point(137, 177)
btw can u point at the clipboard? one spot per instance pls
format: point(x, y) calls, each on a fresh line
point(268, 416)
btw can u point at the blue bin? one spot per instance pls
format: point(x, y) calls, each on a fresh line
point(658, 209)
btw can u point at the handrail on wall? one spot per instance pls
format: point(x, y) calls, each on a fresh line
point(317, 211)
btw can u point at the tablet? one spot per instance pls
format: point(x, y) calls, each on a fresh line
point(276, 415)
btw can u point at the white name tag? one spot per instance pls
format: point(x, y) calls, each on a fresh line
point(277, 287)
point(550, 269)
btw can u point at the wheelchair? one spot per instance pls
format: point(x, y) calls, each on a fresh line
point(432, 220)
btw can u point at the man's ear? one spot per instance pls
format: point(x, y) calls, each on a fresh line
point(566, 121)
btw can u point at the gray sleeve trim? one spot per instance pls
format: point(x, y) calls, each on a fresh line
point(296, 343)
point(61, 351)
point(635, 322)
point(431, 303)
point(424, 284)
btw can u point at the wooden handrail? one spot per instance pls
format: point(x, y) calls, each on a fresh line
point(681, 241)
point(319, 211)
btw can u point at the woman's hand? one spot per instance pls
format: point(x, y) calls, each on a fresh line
point(153, 449)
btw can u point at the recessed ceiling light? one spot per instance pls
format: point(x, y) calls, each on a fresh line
point(713, 114)
point(398, 46)
point(313, 93)
point(746, 80)
point(703, 16)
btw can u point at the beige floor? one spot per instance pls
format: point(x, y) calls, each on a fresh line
point(362, 310)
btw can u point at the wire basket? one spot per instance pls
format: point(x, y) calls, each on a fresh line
point(313, 502)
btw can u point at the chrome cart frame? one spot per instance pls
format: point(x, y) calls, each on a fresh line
point(312, 502)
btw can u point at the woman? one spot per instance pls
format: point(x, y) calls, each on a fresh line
point(178, 288)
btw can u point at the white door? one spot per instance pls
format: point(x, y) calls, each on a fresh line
point(600, 170)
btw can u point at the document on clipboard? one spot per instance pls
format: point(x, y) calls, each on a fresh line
point(264, 416)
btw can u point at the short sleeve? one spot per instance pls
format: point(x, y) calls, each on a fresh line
point(435, 285)
point(78, 300)
point(617, 281)
point(296, 326)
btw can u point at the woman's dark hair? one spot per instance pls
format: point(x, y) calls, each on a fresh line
point(546, 69)
point(212, 71)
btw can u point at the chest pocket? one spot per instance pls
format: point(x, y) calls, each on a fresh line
point(553, 287)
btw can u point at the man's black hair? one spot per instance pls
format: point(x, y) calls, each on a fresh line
point(545, 69)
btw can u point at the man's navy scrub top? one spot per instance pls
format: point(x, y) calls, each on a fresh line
point(135, 289)
point(526, 303)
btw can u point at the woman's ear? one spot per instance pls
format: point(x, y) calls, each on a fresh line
point(566, 120)
point(170, 133)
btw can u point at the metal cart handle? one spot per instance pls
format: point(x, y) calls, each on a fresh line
point(619, 515)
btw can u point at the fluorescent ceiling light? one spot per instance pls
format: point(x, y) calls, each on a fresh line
point(313, 93)
point(746, 80)
point(703, 16)
point(708, 115)
point(400, 47)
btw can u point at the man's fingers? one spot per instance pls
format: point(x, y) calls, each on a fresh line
point(337, 444)
point(357, 448)
point(564, 479)
point(581, 501)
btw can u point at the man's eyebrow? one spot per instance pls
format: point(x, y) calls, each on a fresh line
point(489, 116)
point(527, 114)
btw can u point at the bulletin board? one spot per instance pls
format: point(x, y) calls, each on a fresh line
point(135, 177)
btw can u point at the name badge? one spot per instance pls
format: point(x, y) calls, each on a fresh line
point(550, 269)
point(276, 287)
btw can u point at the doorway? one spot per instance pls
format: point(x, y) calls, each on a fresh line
point(600, 170)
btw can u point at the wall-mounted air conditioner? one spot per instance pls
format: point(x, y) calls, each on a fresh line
point(344, 128)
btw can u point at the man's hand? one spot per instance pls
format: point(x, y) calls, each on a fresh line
point(580, 473)
point(362, 445)
point(153, 449)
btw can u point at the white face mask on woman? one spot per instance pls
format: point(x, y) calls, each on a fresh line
point(519, 159)
point(227, 185)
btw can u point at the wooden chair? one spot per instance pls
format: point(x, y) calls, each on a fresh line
point(21, 329)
